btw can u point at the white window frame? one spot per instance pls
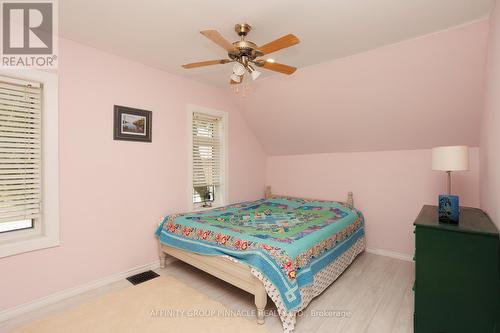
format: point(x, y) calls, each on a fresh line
point(45, 233)
point(222, 192)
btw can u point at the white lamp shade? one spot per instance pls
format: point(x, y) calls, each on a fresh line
point(451, 158)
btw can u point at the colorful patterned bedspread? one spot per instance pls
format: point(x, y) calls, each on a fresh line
point(288, 240)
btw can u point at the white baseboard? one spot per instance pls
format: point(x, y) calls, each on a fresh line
point(391, 254)
point(67, 293)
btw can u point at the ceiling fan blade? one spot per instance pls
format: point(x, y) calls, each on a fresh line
point(206, 63)
point(278, 44)
point(274, 66)
point(217, 38)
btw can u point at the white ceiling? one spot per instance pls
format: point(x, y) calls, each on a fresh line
point(165, 33)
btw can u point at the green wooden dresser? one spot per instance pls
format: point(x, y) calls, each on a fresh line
point(456, 274)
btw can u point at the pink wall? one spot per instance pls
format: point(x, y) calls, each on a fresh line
point(389, 187)
point(490, 131)
point(415, 94)
point(113, 193)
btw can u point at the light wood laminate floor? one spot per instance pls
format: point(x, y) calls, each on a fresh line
point(374, 293)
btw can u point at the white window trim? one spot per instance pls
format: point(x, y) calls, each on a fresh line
point(46, 232)
point(221, 198)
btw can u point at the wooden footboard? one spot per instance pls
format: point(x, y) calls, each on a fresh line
point(232, 272)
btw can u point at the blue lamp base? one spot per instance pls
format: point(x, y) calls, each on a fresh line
point(449, 210)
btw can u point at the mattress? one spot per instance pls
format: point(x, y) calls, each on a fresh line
point(287, 240)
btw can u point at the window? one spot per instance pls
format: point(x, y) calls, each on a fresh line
point(20, 154)
point(28, 182)
point(204, 194)
point(208, 156)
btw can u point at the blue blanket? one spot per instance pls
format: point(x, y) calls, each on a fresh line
point(288, 240)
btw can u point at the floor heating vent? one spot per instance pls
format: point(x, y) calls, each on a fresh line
point(142, 277)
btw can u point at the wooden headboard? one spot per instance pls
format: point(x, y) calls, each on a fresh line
point(268, 194)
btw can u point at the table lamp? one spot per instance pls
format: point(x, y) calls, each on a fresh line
point(450, 158)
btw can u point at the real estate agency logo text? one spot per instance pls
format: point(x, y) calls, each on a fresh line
point(28, 34)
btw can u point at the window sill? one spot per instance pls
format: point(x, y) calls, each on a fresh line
point(28, 244)
point(201, 209)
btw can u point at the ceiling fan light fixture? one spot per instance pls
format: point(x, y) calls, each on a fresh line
point(238, 69)
point(255, 74)
point(271, 60)
point(235, 78)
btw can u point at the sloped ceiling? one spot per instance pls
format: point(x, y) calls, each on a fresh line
point(411, 95)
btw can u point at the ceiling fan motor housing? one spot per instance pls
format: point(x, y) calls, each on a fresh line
point(242, 29)
point(244, 48)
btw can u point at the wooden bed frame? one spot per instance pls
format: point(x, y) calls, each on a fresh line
point(232, 272)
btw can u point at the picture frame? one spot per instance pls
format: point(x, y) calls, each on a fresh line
point(131, 124)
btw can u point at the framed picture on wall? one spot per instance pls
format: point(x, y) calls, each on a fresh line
point(132, 124)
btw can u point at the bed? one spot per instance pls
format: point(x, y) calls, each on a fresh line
point(289, 249)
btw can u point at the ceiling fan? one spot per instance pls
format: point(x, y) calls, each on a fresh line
point(244, 53)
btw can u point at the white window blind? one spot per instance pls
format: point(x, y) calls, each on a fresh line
point(20, 151)
point(207, 152)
